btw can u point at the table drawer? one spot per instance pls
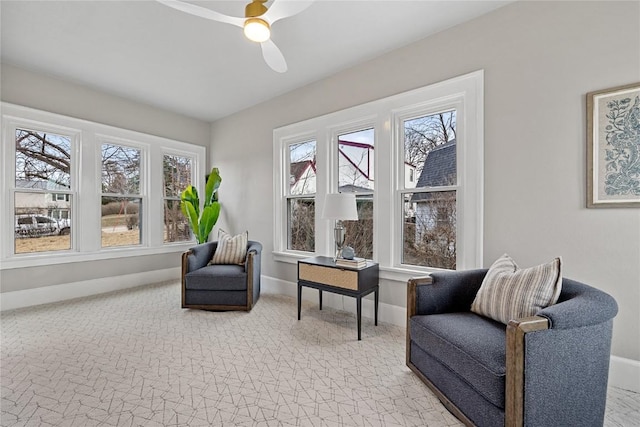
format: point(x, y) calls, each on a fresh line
point(347, 279)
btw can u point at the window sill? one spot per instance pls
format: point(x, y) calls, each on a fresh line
point(290, 257)
point(401, 274)
point(42, 259)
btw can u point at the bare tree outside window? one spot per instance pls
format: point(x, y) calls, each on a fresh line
point(301, 198)
point(301, 224)
point(431, 239)
point(429, 231)
point(121, 198)
point(359, 234)
point(356, 161)
point(423, 134)
point(42, 157)
point(43, 196)
point(120, 169)
point(177, 177)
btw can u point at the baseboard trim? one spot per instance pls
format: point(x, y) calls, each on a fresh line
point(272, 285)
point(67, 291)
point(624, 373)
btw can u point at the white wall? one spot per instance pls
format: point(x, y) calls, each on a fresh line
point(23, 87)
point(540, 59)
point(34, 90)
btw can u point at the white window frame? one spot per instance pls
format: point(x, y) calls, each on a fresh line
point(466, 94)
point(453, 103)
point(194, 179)
point(10, 125)
point(352, 126)
point(282, 183)
point(86, 192)
point(143, 190)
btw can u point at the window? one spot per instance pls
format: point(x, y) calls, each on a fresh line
point(414, 161)
point(74, 190)
point(121, 205)
point(301, 196)
point(42, 164)
point(356, 159)
point(176, 178)
point(429, 230)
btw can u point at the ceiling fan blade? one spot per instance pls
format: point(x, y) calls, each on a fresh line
point(203, 12)
point(273, 57)
point(284, 8)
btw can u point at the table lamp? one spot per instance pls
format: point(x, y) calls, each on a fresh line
point(340, 207)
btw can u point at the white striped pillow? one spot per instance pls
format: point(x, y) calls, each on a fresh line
point(508, 292)
point(231, 249)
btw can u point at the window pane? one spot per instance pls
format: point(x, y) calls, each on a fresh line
point(355, 161)
point(120, 221)
point(302, 168)
point(430, 150)
point(176, 178)
point(177, 175)
point(301, 224)
point(120, 169)
point(429, 231)
point(43, 160)
point(176, 226)
point(359, 234)
point(40, 224)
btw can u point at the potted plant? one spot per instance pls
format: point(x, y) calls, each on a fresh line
point(202, 221)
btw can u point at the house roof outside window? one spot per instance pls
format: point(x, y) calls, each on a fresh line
point(439, 170)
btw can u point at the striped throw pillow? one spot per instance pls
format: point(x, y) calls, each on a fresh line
point(231, 249)
point(508, 292)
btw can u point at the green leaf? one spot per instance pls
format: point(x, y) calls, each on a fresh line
point(209, 218)
point(190, 212)
point(211, 187)
point(190, 194)
point(202, 222)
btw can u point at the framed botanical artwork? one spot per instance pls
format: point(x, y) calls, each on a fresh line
point(613, 147)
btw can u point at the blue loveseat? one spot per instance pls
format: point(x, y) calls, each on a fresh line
point(550, 369)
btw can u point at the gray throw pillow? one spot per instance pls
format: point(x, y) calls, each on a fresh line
point(231, 249)
point(508, 292)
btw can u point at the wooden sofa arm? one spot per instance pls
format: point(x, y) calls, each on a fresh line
point(514, 388)
point(249, 268)
point(412, 284)
point(183, 284)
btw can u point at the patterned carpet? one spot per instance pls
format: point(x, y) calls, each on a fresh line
point(135, 358)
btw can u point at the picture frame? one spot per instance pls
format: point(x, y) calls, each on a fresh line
point(613, 147)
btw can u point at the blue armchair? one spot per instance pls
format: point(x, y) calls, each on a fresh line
point(220, 287)
point(550, 369)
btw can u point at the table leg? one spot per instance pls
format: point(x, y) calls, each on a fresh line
point(376, 305)
point(359, 305)
point(299, 299)
point(320, 298)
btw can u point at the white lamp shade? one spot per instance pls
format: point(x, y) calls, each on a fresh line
point(340, 206)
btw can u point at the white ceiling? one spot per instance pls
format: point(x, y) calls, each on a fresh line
point(145, 51)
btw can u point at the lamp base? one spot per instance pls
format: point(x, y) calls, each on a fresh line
point(338, 235)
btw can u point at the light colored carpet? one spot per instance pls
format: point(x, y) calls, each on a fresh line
point(135, 358)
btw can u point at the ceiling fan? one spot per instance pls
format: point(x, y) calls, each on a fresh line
point(256, 23)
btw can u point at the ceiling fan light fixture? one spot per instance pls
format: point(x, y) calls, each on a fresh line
point(257, 30)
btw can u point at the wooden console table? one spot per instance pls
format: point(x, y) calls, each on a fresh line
point(323, 274)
